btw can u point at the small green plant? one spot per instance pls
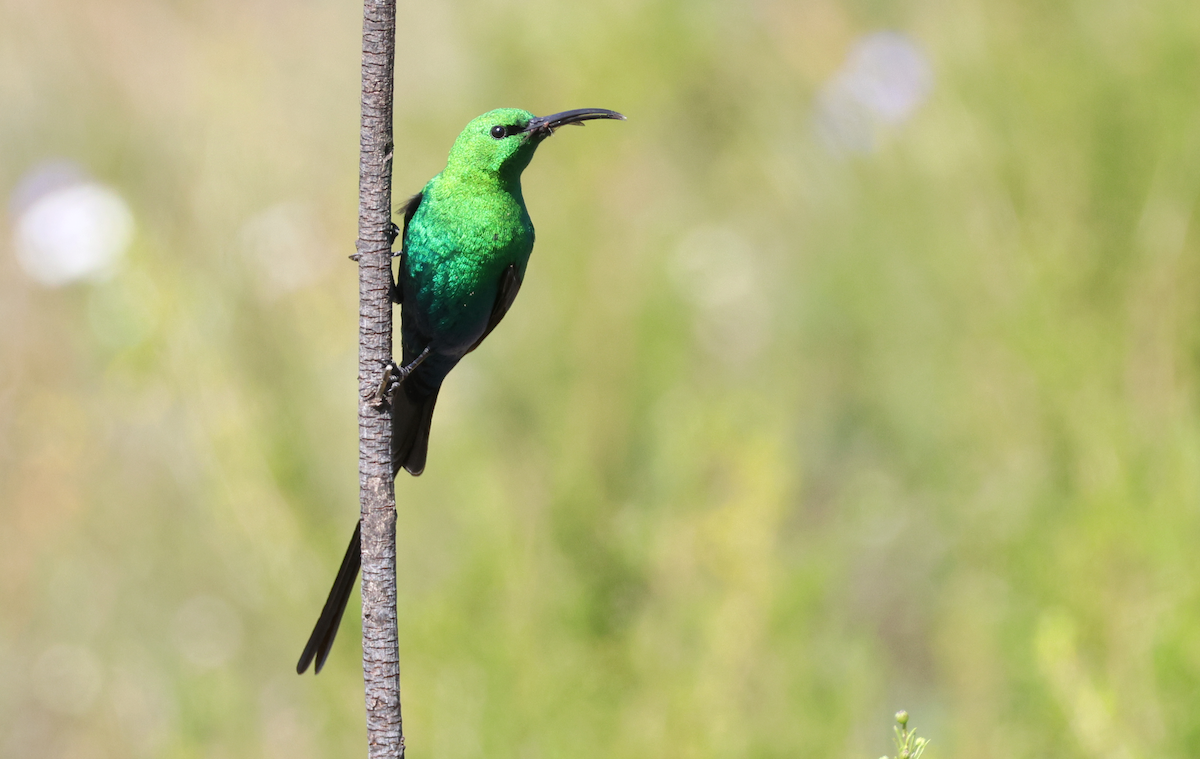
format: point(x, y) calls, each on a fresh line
point(908, 745)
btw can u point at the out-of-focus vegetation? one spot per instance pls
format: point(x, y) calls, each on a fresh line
point(908, 745)
point(802, 413)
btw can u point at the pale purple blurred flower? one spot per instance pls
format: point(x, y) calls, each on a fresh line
point(884, 81)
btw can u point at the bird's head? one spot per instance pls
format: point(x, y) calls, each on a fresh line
point(503, 141)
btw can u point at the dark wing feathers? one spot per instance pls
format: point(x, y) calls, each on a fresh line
point(410, 209)
point(510, 283)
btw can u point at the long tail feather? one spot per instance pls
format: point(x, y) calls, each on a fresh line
point(321, 640)
point(411, 420)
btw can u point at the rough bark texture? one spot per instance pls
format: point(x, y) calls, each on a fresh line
point(381, 654)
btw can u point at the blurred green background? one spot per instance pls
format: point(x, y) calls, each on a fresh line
point(854, 372)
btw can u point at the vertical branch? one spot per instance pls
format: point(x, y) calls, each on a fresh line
point(381, 653)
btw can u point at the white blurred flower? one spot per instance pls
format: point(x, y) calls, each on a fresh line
point(885, 79)
point(68, 228)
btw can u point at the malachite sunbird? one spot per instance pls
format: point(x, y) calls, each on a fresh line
point(465, 242)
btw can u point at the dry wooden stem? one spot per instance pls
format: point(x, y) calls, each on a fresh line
point(381, 653)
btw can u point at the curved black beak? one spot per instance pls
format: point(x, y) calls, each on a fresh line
point(544, 126)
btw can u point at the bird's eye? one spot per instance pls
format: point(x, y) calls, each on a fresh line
point(499, 132)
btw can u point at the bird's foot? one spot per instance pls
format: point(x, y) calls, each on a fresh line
point(386, 385)
point(393, 376)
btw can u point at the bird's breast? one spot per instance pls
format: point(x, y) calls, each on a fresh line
point(455, 253)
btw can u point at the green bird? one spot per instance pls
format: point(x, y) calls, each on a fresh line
point(466, 240)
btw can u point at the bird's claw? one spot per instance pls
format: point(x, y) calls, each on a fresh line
point(393, 375)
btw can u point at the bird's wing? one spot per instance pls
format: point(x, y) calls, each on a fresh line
point(410, 209)
point(510, 283)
